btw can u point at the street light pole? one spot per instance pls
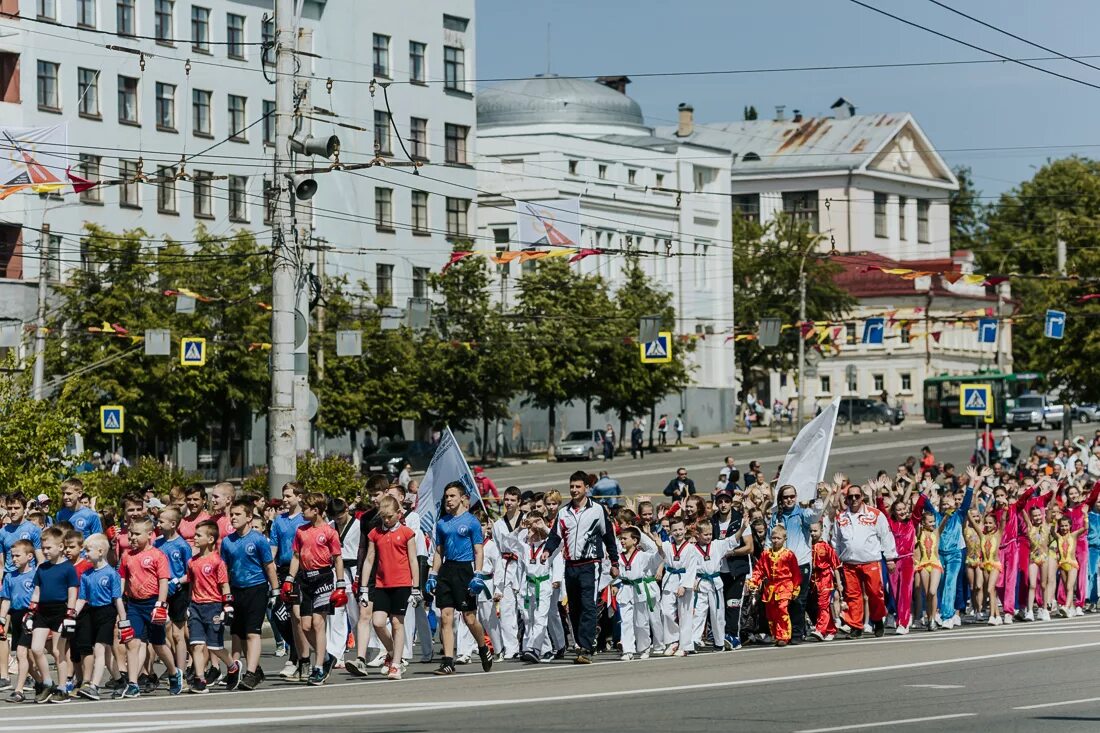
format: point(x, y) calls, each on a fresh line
point(801, 337)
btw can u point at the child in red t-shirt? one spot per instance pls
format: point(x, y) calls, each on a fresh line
point(74, 546)
point(316, 550)
point(211, 606)
point(396, 581)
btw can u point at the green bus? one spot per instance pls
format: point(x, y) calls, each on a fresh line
point(941, 395)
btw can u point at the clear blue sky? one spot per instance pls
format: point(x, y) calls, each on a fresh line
point(979, 106)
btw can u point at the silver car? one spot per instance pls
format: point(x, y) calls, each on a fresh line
point(580, 445)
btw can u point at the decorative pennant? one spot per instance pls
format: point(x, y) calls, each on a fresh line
point(585, 253)
point(456, 257)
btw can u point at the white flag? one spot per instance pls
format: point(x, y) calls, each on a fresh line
point(448, 464)
point(804, 466)
point(555, 223)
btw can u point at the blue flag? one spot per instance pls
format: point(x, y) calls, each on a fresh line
point(448, 464)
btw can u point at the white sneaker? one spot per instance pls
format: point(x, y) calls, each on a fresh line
point(956, 621)
point(626, 657)
point(994, 621)
point(671, 650)
point(680, 653)
point(830, 637)
point(1007, 619)
point(1028, 615)
point(891, 620)
point(644, 655)
point(817, 635)
point(462, 659)
point(657, 649)
point(290, 671)
point(1044, 615)
point(280, 650)
point(867, 629)
point(1079, 611)
point(901, 630)
point(378, 658)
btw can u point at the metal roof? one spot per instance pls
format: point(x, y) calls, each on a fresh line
point(553, 99)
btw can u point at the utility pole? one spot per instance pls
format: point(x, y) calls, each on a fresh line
point(801, 339)
point(1067, 409)
point(282, 441)
point(38, 389)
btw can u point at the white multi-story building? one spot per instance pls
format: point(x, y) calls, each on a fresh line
point(152, 81)
point(551, 139)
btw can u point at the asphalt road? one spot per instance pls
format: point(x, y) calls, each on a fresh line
point(1023, 677)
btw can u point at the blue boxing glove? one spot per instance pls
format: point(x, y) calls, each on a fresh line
point(477, 586)
point(429, 587)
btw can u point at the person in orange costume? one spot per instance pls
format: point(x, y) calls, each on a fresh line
point(826, 579)
point(778, 568)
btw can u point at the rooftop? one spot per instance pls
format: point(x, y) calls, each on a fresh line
point(556, 100)
point(860, 278)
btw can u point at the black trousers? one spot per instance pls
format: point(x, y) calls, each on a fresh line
point(580, 589)
point(733, 587)
point(798, 605)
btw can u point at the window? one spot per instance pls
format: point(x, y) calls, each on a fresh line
point(48, 99)
point(601, 171)
point(850, 334)
point(501, 239)
point(89, 170)
point(383, 208)
point(47, 9)
point(906, 330)
point(200, 29)
point(124, 17)
point(383, 283)
point(747, 206)
point(826, 384)
point(204, 195)
point(201, 114)
point(128, 100)
point(704, 178)
point(381, 55)
point(852, 377)
point(9, 77)
point(700, 262)
point(456, 143)
point(166, 189)
point(454, 69)
point(85, 13)
point(87, 91)
point(269, 122)
point(418, 137)
point(163, 21)
point(237, 110)
point(267, 36)
point(234, 36)
point(660, 179)
point(922, 221)
point(902, 202)
point(420, 282)
point(420, 212)
point(382, 133)
point(457, 210)
point(166, 106)
point(455, 23)
point(572, 167)
point(418, 62)
point(879, 381)
point(631, 175)
point(906, 382)
point(11, 251)
point(880, 215)
point(128, 192)
point(238, 205)
point(802, 207)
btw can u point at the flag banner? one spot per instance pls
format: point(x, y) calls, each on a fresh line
point(448, 464)
point(804, 465)
point(33, 158)
point(554, 223)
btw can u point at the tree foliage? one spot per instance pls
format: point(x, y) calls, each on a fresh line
point(966, 210)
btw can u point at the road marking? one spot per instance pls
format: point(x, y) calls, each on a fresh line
point(1057, 704)
point(202, 711)
point(938, 687)
point(904, 721)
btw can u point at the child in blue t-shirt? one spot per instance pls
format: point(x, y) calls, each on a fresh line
point(179, 553)
point(99, 610)
point(53, 610)
point(15, 599)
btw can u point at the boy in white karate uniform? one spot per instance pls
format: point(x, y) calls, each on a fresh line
point(708, 588)
point(509, 580)
point(682, 561)
point(492, 567)
point(540, 580)
point(638, 593)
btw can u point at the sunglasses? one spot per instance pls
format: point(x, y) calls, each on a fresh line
point(849, 497)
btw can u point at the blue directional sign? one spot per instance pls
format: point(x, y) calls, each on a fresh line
point(987, 331)
point(873, 330)
point(974, 399)
point(1054, 327)
point(659, 351)
point(111, 418)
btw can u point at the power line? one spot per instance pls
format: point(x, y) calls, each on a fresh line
point(124, 36)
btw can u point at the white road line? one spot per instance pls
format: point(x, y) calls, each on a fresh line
point(938, 687)
point(884, 723)
point(219, 722)
point(204, 711)
point(1057, 704)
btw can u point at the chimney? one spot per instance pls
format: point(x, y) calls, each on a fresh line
point(618, 83)
point(779, 110)
point(687, 120)
point(797, 115)
point(843, 109)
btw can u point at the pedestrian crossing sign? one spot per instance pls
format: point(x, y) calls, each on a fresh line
point(658, 351)
point(112, 418)
point(192, 351)
point(975, 400)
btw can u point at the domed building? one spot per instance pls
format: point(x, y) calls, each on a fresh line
point(581, 150)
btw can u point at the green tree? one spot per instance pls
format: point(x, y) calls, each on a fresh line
point(966, 210)
point(766, 260)
point(749, 113)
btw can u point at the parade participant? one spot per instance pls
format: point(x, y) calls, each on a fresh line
point(639, 595)
point(797, 520)
point(682, 563)
point(510, 579)
point(708, 587)
point(903, 519)
point(194, 502)
point(83, 519)
point(179, 553)
point(727, 521)
point(454, 580)
point(211, 607)
point(952, 547)
point(221, 500)
point(16, 592)
point(540, 577)
point(778, 574)
point(1068, 569)
point(18, 529)
point(100, 611)
point(492, 569)
point(282, 533)
point(927, 567)
point(343, 620)
point(825, 575)
point(583, 531)
point(862, 539)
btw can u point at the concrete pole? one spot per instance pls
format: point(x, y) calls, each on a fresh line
point(38, 387)
point(801, 340)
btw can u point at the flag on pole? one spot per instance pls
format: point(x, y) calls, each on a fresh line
point(804, 465)
point(448, 464)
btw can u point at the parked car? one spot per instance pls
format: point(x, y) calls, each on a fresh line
point(580, 445)
point(860, 410)
point(394, 452)
point(1086, 413)
point(1034, 410)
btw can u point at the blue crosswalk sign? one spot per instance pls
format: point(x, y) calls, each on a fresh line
point(974, 399)
point(1054, 327)
point(192, 351)
point(987, 331)
point(658, 351)
point(111, 418)
point(873, 330)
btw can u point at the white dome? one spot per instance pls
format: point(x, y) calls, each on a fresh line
point(552, 99)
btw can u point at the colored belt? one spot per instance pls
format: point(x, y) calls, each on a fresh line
point(674, 571)
point(643, 583)
point(537, 581)
point(708, 576)
point(509, 556)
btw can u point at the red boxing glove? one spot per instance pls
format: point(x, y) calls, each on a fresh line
point(287, 591)
point(68, 625)
point(339, 597)
point(3, 631)
point(160, 613)
point(227, 609)
point(125, 632)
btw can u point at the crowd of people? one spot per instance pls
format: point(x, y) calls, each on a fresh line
point(175, 591)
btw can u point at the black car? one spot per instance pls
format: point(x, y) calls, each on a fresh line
point(859, 410)
point(417, 452)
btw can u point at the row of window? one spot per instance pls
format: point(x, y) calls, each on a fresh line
point(457, 217)
point(129, 109)
point(455, 138)
point(879, 380)
point(803, 206)
point(881, 228)
point(383, 282)
point(454, 62)
point(632, 174)
point(164, 23)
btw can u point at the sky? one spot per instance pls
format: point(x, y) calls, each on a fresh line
point(1001, 119)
